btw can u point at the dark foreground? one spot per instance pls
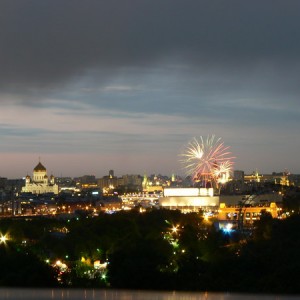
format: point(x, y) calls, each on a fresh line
point(156, 250)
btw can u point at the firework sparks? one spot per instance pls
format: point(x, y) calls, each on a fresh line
point(224, 167)
point(207, 159)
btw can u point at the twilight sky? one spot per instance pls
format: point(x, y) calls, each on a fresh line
point(90, 86)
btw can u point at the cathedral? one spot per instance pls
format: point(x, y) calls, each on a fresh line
point(40, 183)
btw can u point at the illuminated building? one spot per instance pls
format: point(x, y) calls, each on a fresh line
point(154, 183)
point(40, 183)
point(281, 178)
point(189, 199)
point(110, 203)
point(109, 182)
point(247, 183)
point(248, 214)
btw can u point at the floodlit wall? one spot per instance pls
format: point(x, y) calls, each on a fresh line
point(248, 214)
point(188, 192)
point(188, 201)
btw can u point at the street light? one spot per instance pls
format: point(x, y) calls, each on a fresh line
point(174, 229)
point(3, 239)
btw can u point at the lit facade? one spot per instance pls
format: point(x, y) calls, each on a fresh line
point(247, 214)
point(40, 183)
point(188, 199)
point(109, 182)
point(276, 178)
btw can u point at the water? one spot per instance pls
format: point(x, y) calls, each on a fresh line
point(79, 294)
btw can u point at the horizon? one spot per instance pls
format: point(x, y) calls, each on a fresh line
point(118, 173)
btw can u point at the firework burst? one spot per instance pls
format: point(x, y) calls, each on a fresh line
point(207, 160)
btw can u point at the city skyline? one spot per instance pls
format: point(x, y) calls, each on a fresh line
point(117, 174)
point(125, 85)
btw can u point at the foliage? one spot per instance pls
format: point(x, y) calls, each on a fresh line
point(22, 268)
point(159, 249)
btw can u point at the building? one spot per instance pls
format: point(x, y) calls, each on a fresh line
point(189, 199)
point(253, 199)
point(108, 183)
point(238, 175)
point(248, 214)
point(40, 183)
point(155, 183)
point(281, 178)
point(130, 183)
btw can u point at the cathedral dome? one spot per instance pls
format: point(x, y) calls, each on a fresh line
point(39, 167)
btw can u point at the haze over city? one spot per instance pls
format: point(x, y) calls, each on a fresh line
point(90, 86)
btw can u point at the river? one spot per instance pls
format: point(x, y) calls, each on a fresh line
point(91, 294)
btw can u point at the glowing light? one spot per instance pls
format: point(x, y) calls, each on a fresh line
point(174, 229)
point(207, 160)
point(181, 192)
point(98, 265)
point(3, 239)
point(58, 263)
point(228, 228)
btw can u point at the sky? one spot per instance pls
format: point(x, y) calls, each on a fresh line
point(89, 86)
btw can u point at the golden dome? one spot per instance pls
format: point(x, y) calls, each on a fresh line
point(39, 168)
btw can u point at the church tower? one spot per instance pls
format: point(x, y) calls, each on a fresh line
point(40, 183)
point(39, 173)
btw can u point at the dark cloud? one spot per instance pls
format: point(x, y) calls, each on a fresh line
point(46, 43)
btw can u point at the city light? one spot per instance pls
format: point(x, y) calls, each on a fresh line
point(228, 228)
point(174, 229)
point(3, 239)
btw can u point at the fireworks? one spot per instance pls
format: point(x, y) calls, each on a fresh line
point(207, 160)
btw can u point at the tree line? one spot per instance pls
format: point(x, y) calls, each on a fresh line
point(158, 249)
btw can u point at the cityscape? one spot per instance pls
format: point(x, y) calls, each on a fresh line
point(210, 183)
point(41, 194)
point(149, 149)
point(214, 199)
point(145, 190)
